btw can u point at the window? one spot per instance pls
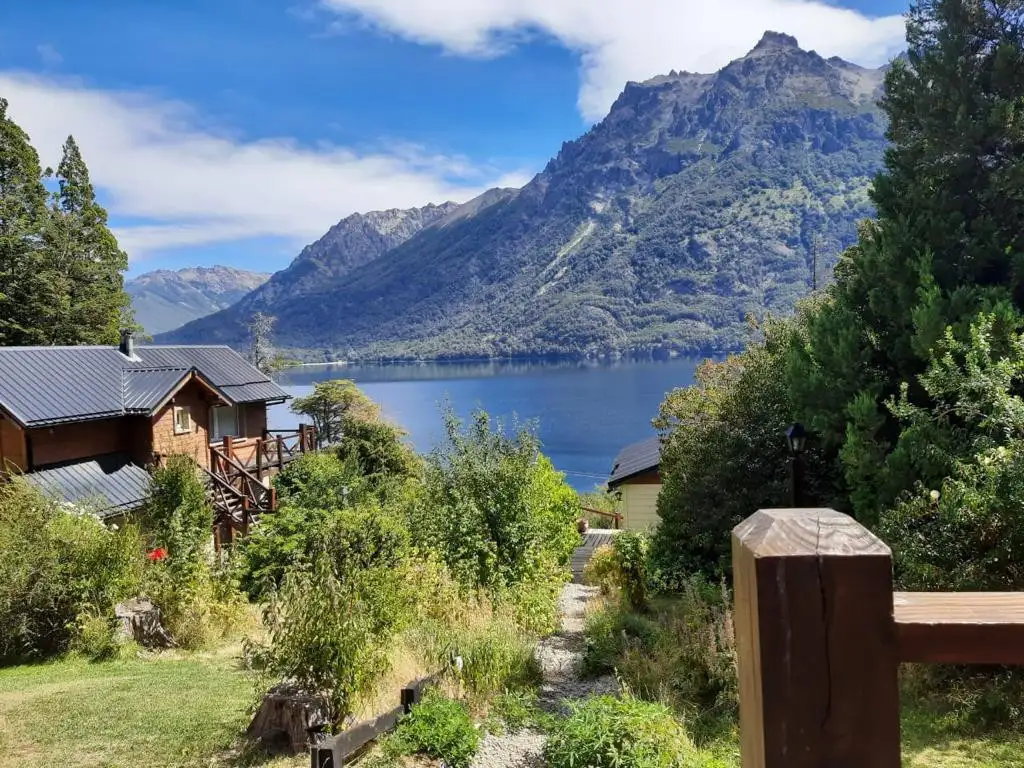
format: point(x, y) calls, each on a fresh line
point(182, 421)
point(224, 421)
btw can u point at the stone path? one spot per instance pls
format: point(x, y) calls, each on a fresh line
point(559, 656)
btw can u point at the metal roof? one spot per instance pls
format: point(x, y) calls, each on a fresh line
point(635, 459)
point(144, 390)
point(112, 482)
point(49, 385)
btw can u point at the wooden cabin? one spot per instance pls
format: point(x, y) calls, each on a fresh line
point(83, 423)
point(637, 478)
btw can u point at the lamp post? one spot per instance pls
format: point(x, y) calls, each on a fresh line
point(796, 438)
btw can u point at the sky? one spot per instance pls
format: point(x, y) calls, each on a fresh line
point(237, 131)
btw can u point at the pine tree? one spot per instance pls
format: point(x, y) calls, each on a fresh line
point(948, 242)
point(23, 284)
point(85, 261)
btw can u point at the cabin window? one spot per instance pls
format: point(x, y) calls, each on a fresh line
point(182, 420)
point(224, 422)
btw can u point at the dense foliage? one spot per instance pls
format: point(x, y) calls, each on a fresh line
point(440, 728)
point(61, 570)
point(609, 732)
point(499, 515)
point(332, 406)
point(60, 266)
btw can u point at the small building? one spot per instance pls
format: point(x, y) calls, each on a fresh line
point(85, 422)
point(637, 479)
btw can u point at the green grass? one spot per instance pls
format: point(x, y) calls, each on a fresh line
point(927, 744)
point(169, 711)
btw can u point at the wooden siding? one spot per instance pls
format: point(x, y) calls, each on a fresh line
point(80, 440)
point(639, 505)
point(254, 419)
point(13, 451)
point(194, 443)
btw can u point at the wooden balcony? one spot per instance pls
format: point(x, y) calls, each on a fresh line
point(267, 455)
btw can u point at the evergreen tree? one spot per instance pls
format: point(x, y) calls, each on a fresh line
point(85, 261)
point(948, 243)
point(23, 285)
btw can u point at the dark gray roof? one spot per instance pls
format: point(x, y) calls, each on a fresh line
point(635, 459)
point(144, 390)
point(112, 482)
point(48, 385)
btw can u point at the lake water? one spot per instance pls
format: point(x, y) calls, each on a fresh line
point(585, 412)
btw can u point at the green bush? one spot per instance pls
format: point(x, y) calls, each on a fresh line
point(378, 450)
point(606, 732)
point(439, 728)
point(320, 480)
point(96, 637)
point(631, 552)
point(332, 625)
point(602, 570)
point(495, 509)
point(57, 564)
point(200, 605)
point(517, 710)
point(608, 632)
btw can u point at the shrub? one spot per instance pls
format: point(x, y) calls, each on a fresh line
point(602, 570)
point(320, 480)
point(200, 605)
point(606, 732)
point(96, 637)
point(332, 624)
point(439, 728)
point(602, 500)
point(57, 563)
point(608, 632)
point(517, 710)
point(378, 450)
point(630, 549)
point(495, 509)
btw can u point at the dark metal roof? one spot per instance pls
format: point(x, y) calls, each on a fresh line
point(112, 482)
point(145, 390)
point(49, 385)
point(636, 459)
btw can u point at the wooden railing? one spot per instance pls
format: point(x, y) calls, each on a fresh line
point(233, 473)
point(614, 515)
point(279, 446)
point(820, 635)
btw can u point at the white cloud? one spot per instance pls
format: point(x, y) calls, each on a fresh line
point(622, 40)
point(193, 186)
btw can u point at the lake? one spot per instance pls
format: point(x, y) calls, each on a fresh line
point(585, 411)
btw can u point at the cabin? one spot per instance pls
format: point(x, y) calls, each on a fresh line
point(84, 423)
point(636, 477)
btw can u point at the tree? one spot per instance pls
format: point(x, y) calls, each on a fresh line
point(261, 350)
point(948, 242)
point(86, 265)
point(23, 285)
point(331, 405)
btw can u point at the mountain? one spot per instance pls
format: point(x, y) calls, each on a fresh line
point(164, 300)
point(699, 199)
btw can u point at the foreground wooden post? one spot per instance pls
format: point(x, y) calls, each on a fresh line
point(815, 642)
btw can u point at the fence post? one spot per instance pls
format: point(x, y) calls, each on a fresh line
point(815, 642)
point(280, 454)
point(227, 446)
point(260, 447)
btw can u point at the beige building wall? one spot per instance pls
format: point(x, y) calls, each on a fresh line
point(640, 505)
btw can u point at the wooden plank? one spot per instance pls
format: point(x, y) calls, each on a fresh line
point(815, 641)
point(960, 627)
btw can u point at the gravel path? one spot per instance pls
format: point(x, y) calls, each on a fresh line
point(559, 657)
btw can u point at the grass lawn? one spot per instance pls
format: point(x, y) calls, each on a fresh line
point(183, 710)
point(926, 744)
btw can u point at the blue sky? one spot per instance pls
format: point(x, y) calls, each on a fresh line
point(236, 131)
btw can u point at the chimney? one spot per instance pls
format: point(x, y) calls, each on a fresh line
point(127, 345)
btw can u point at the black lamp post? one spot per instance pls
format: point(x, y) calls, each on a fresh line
point(796, 437)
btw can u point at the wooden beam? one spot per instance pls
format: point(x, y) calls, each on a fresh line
point(960, 627)
point(815, 642)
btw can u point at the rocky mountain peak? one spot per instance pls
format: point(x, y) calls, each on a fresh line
point(772, 40)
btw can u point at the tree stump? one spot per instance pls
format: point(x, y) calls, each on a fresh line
point(139, 620)
point(288, 720)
